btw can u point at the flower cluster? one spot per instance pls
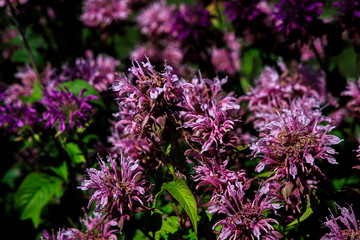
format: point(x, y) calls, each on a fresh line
point(64, 108)
point(294, 144)
point(102, 13)
point(119, 193)
point(96, 228)
point(99, 72)
point(353, 91)
point(245, 219)
point(348, 219)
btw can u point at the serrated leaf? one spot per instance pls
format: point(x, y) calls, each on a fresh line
point(62, 171)
point(180, 191)
point(75, 152)
point(169, 226)
point(306, 214)
point(35, 96)
point(34, 193)
point(78, 85)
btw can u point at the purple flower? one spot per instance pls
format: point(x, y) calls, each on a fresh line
point(337, 232)
point(216, 175)
point(97, 227)
point(153, 98)
point(296, 140)
point(349, 15)
point(353, 90)
point(64, 108)
point(192, 26)
point(102, 13)
point(118, 191)
point(155, 20)
point(14, 2)
point(227, 59)
point(244, 218)
point(298, 19)
point(99, 72)
point(17, 115)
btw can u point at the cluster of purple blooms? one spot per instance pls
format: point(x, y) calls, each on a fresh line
point(175, 108)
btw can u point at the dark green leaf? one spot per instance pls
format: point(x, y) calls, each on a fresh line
point(34, 193)
point(180, 191)
point(11, 175)
point(62, 171)
point(306, 214)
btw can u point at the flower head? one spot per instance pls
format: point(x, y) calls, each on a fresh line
point(244, 218)
point(64, 108)
point(99, 72)
point(353, 91)
point(337, 232)
point(119, 192)
point(103, 13)
point(349, 15)
point(17, 114)
point(155, 20)
point(298, 19)
point(191, 25)
point(296, 140)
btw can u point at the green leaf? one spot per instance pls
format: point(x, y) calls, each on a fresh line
point(75, 152)
point(34, 193)
point(78, 85)
point(62, 171)
point(306, 214)
point(11, 175)
point(180, 191)
point(169, 226)
point(241, 147)
point(35, 96)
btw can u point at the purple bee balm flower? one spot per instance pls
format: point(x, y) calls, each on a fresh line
point(155, 20)
point(154, 97)
point(298, 19)
point(102, 13)
point(118, 191)
point(244, 218)
point(192, 26)
point(212, 173)
point(99, 72)
point(97, 227)
point(294, 144)
point(227, 59)
point(353, 90)
point(17, 115)
point(349, 15)
point(14, 2)
point(348, 219)
point(64, 108)
point(211, 128)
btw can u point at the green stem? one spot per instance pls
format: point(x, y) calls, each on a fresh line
point(26, 43)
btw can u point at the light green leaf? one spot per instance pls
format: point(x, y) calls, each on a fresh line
point(180, 191)
point(34, 193)
point(306, 214)
point(169, 226)
point(75, 152)
point(78, 85)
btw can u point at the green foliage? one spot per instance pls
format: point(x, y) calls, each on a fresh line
point(180, 191)
point(62, 171)
point(169, 226)
point(34, 193)
point(306, 214)
point(74, 152)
